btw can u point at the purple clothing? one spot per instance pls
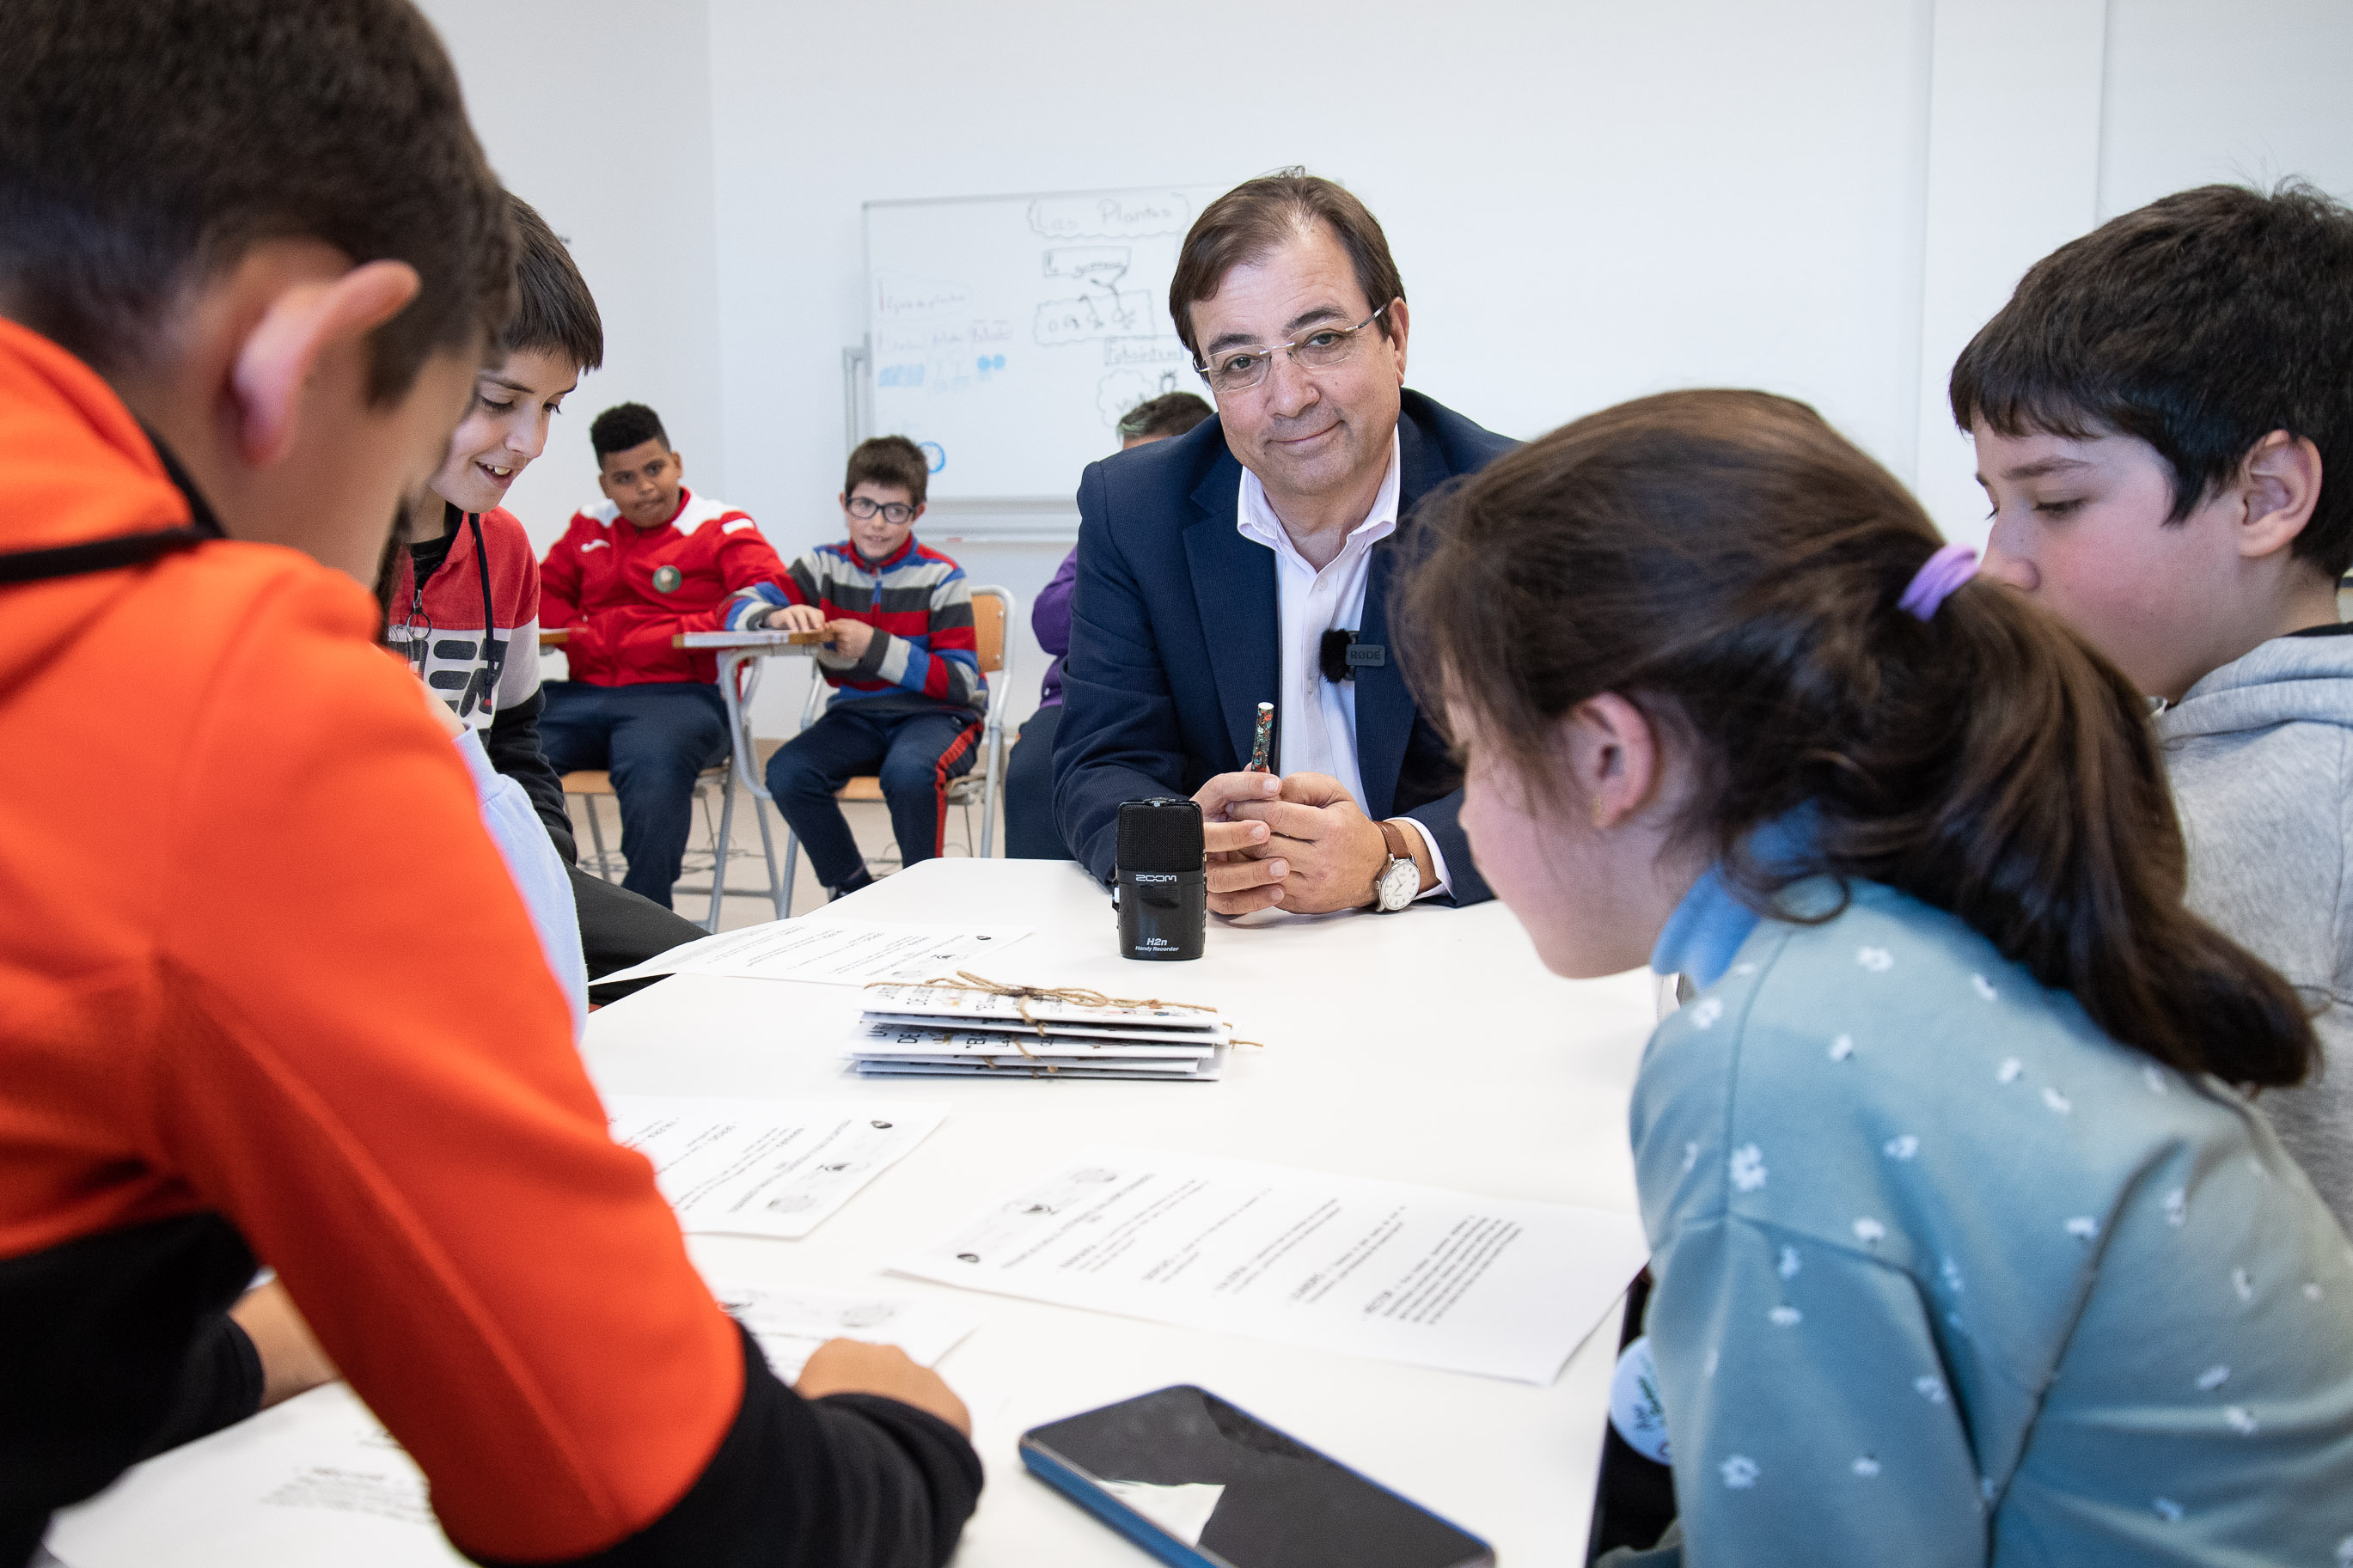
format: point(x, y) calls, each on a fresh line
point(1050, 618)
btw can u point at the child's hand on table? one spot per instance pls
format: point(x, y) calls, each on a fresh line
point(291, 1360)
point(850, 638)
point(852, 1366)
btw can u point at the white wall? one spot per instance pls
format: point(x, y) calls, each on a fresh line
point(598, 113)
point(2250, 91)
point(1621, 199)
point(1589, 200)
point(2051, 116)
point(2013, 172)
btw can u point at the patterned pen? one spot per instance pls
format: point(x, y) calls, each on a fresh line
point(1262, 748)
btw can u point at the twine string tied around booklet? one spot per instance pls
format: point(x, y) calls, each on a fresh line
point(1069, 996)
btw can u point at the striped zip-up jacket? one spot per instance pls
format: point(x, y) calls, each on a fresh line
point(919, 604)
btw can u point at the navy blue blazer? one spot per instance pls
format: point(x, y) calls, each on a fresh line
point(1174, 634)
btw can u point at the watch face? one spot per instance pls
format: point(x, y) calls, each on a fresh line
point(1399, 884)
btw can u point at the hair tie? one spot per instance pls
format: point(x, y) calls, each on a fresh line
point(1934, 582)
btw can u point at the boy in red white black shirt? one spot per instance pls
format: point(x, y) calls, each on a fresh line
point(900, 657)
point(463, 608)
point(652, 560)
point(461, 588)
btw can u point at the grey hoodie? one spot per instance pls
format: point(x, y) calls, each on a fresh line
point(2260, 755)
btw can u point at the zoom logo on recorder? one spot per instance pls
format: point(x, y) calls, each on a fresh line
point(1161, 888)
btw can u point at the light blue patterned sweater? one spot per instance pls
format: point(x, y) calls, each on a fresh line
point(1946, 1276)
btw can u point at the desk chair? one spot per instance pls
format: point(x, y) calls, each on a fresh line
point(992, 612)
point(593, 784)
point(590, 784)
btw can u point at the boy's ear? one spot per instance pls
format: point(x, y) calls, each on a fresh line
point(275, 362)
point(2281, 483)
point(916, 516)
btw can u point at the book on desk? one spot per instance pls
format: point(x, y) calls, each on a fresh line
point(559, 637)
point(958, 1031)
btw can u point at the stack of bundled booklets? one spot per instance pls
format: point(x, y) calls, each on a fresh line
point(942, 1031)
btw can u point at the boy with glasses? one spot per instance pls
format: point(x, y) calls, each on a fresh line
point(900, 657)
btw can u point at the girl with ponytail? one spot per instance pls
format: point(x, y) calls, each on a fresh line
point(1968, 1246)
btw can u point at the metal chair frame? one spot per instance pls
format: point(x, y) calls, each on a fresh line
point(961, 789)
point(737, 695)
point(736, 767)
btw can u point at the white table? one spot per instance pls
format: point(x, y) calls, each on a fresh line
point(1428, 1046)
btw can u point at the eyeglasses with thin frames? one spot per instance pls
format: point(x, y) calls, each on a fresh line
point(894, 512)
point(1318, 348)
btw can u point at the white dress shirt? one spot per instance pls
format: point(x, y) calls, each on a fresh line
point(1315, 719)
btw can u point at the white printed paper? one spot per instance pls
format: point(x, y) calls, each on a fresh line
point(316, 1479)
point(765, 1167)
point(1499, 1286)
point(790, 1323)
point(833, 952)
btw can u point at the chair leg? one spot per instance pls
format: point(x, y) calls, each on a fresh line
point(781, 893)
point(719, 857)
point(792, 873)
point(596, 837)
point(988, 793)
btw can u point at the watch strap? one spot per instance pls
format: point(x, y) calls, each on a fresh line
point(1400, 854)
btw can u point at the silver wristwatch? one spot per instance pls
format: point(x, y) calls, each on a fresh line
point(1401, 880)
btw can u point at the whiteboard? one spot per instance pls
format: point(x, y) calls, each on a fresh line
point(1008, 334)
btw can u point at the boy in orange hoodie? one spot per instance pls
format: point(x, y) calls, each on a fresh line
point(222, 369)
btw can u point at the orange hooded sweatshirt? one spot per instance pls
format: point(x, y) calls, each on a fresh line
point(230, 840)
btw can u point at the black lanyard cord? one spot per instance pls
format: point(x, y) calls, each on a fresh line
point(483, 690)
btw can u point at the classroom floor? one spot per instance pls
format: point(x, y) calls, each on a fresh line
point(748, 902)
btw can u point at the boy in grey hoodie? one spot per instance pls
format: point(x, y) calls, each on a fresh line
point(2155, 412)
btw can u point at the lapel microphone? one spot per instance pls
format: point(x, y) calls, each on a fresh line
point(1162, 886)
point(1343, 652)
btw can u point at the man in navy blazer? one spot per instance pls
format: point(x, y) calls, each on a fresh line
point(1253, 560)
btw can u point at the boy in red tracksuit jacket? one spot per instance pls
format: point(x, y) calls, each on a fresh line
point(654, 560)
